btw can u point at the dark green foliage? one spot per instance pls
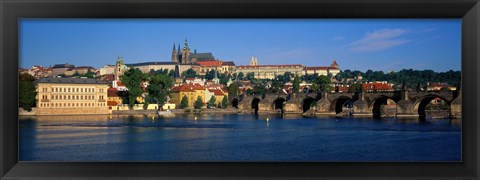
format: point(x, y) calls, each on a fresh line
point(184, 102)
point(190, 73)
point(250, 76)
point(132, 80)
point(76, 74)
point(210, 74)
point(225, 102)
point(211, 102)
point(240, 76)
point(233, 90)
point(257, 89)
point(199, 103)
point(296, 84)
point(26, 91)
point(322, 84)
point(357, 87)
point(159, 88)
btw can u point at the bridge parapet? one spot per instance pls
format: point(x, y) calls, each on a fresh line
point(416, 96)
point(333, 96)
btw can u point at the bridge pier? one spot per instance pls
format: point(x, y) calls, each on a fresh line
point(405, 108)
point(293, 106)
point(456, 107)
point(360, 108)
point(323, 106)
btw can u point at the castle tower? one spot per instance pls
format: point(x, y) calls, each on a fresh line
point(185, 53)
point(174, 54)
point(253, 61)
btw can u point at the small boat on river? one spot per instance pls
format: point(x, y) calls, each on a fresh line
point(166, 113)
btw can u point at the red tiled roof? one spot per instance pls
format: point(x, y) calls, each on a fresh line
point(217, 92)
point(112, 92)
point(112, 103)
point(120, 83)
point(377, 86)
point(108, 77)
point(210, 63)
point(280, 66)
point(188, 88)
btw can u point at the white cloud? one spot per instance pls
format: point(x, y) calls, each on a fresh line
point(337, 38)
point(379, 40)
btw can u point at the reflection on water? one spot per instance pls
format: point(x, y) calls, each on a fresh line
point(237, 138)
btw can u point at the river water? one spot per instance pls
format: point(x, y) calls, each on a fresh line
point(236, 138)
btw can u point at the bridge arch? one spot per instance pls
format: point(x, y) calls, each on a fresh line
point(387, 102)
point(255, 102)
point(421, 104)
point(339, 103)
point(235, 102)
point(307, 103)
point(278, 103)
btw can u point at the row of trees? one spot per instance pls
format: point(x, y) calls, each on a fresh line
point(411, 78)
point(199, 102)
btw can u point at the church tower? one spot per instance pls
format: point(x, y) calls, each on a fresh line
point(174, 54)
point(119, 68)
point(253, 61)
point(334, 64)
point(186, 53)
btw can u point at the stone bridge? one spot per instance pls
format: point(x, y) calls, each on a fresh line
point(398, 103)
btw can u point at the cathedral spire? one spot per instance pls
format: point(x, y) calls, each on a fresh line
point(186, 44)
point(174, 46)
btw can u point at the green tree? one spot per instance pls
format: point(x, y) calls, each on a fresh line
point(258, 89)
point(210, 74)
point(190, 73)
point(159, 88)
point(211, 102)
point(225, 102)
point(233, 90)
point(199, 103)
point(296, 84)
point(357, 87)
point(250, 76)
point(132, 80)
point(76, 74)
point(26, 91)
point(322, 83)
point(184, 102)
point(240, 76)
point(171, 73)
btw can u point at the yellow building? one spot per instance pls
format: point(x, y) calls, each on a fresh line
point(270, 71)
point(323, 70)
point(63, 96)
point(219, 95)
point(192, 91)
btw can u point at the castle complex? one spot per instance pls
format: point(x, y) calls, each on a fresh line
point(184, 56)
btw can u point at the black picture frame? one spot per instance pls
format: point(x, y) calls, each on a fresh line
point(11, 11)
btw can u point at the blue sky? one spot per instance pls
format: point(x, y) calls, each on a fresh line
point(377, 44)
